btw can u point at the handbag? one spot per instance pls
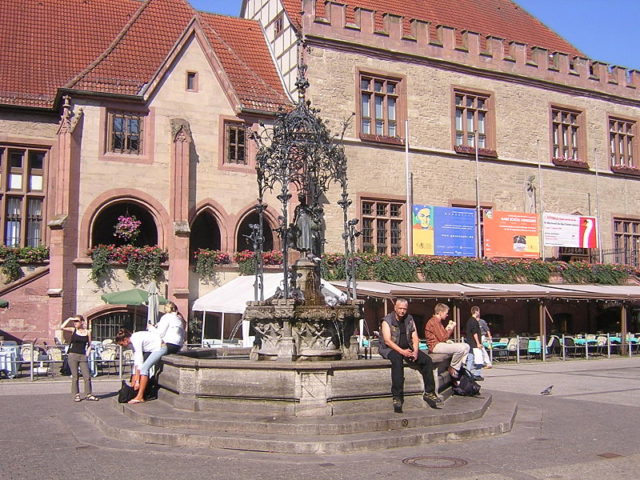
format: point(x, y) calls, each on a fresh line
point(65, 369)
point(478, 356)
point(126, 393)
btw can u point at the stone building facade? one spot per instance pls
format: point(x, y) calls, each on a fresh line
point(552, 118)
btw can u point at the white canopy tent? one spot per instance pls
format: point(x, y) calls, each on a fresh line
point(232, 297)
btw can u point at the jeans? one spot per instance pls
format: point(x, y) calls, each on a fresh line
point(424, 364)
point(152, 359)
point(472, 366)
point(75, 360)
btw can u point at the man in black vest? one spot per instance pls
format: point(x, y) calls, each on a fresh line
point(399, 343)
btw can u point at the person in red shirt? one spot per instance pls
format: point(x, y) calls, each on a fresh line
point(438, 335)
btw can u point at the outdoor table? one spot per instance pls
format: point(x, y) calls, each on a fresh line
point(8, 360)
point(534, 347)
point(495, 344)
point(583, 341)
point(619, 340)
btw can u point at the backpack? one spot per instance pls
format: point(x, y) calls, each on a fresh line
point(465, 385)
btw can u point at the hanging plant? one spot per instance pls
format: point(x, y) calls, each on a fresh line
point(142, 264)
point(247, 263)
point(11, 267)
point(207, 262)
point(127, 228)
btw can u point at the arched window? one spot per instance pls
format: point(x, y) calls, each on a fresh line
point(107, 325)
point(104, 226)
point(205, 233)
point(243, 242)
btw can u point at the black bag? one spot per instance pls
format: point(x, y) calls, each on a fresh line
point(465, 385)
point(126, 393)
point(65, 369)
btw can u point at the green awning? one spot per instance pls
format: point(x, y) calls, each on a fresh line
point(135, 296)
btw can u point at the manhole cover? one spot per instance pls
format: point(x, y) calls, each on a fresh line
point(435, 462)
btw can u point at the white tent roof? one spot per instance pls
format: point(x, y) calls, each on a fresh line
point(232, 297)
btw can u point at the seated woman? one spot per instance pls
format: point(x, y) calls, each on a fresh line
point(170, 328)
point(142, 342)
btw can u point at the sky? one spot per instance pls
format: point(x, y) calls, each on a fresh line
point(605, 30)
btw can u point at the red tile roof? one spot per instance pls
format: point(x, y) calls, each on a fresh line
point(117, 46)
point(241, 48)
point(44, 45)
point(500, 18)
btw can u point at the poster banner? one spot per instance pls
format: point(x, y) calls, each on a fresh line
point(576, 231)
point(444, 231)
point(511, 234)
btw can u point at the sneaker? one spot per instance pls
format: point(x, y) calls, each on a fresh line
point(397, 405)
point(478, 378)
point(431, 398)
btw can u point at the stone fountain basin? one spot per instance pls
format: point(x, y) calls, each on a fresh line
point(283, 388)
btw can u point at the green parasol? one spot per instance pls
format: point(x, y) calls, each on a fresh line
point(135, 296)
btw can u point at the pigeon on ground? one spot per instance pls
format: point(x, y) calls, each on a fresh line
point(547, 391)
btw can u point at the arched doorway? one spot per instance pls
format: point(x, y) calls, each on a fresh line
point(243, 242)
point(205, 233)
point(103, 232)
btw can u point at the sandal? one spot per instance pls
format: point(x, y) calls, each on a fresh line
point(91, 398)
point(77, 398)
point(135, 400)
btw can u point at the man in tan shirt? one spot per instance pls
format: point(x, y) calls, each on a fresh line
point(437, 336)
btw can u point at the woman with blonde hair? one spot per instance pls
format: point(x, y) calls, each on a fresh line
point(170, 328)
point(79, 349)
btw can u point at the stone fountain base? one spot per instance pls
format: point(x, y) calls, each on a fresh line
point(285, 388)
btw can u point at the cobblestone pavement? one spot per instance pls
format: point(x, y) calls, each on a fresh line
point(586, 429)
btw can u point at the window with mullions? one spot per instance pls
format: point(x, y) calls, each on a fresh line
point(621, 143)
point(566, 133)
point(626, 240)
point(382, 226)
point(125, 133)
point(235, 143)
point(379, 102)
point(22, 196)
point(471, 115)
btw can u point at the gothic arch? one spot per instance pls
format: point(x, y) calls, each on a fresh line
point(250, 216)
point(112, 198)
point(217, 211)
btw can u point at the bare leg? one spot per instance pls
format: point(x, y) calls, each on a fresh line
point(144, 379)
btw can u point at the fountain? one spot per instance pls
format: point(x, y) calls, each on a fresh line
point(305, 361)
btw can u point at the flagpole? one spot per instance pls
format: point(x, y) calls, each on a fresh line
point(541, 202)
point(600, 254)
point(478, 236)
point(408, 188)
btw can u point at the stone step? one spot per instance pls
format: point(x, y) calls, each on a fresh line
point(457, 410)
point(407, 429)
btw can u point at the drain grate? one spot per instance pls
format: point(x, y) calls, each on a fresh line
point(609, 455)
point(435, 462)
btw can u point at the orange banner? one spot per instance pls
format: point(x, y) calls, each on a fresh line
point(511, 234)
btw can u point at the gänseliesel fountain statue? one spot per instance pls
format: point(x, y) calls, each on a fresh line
point(298, 154)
